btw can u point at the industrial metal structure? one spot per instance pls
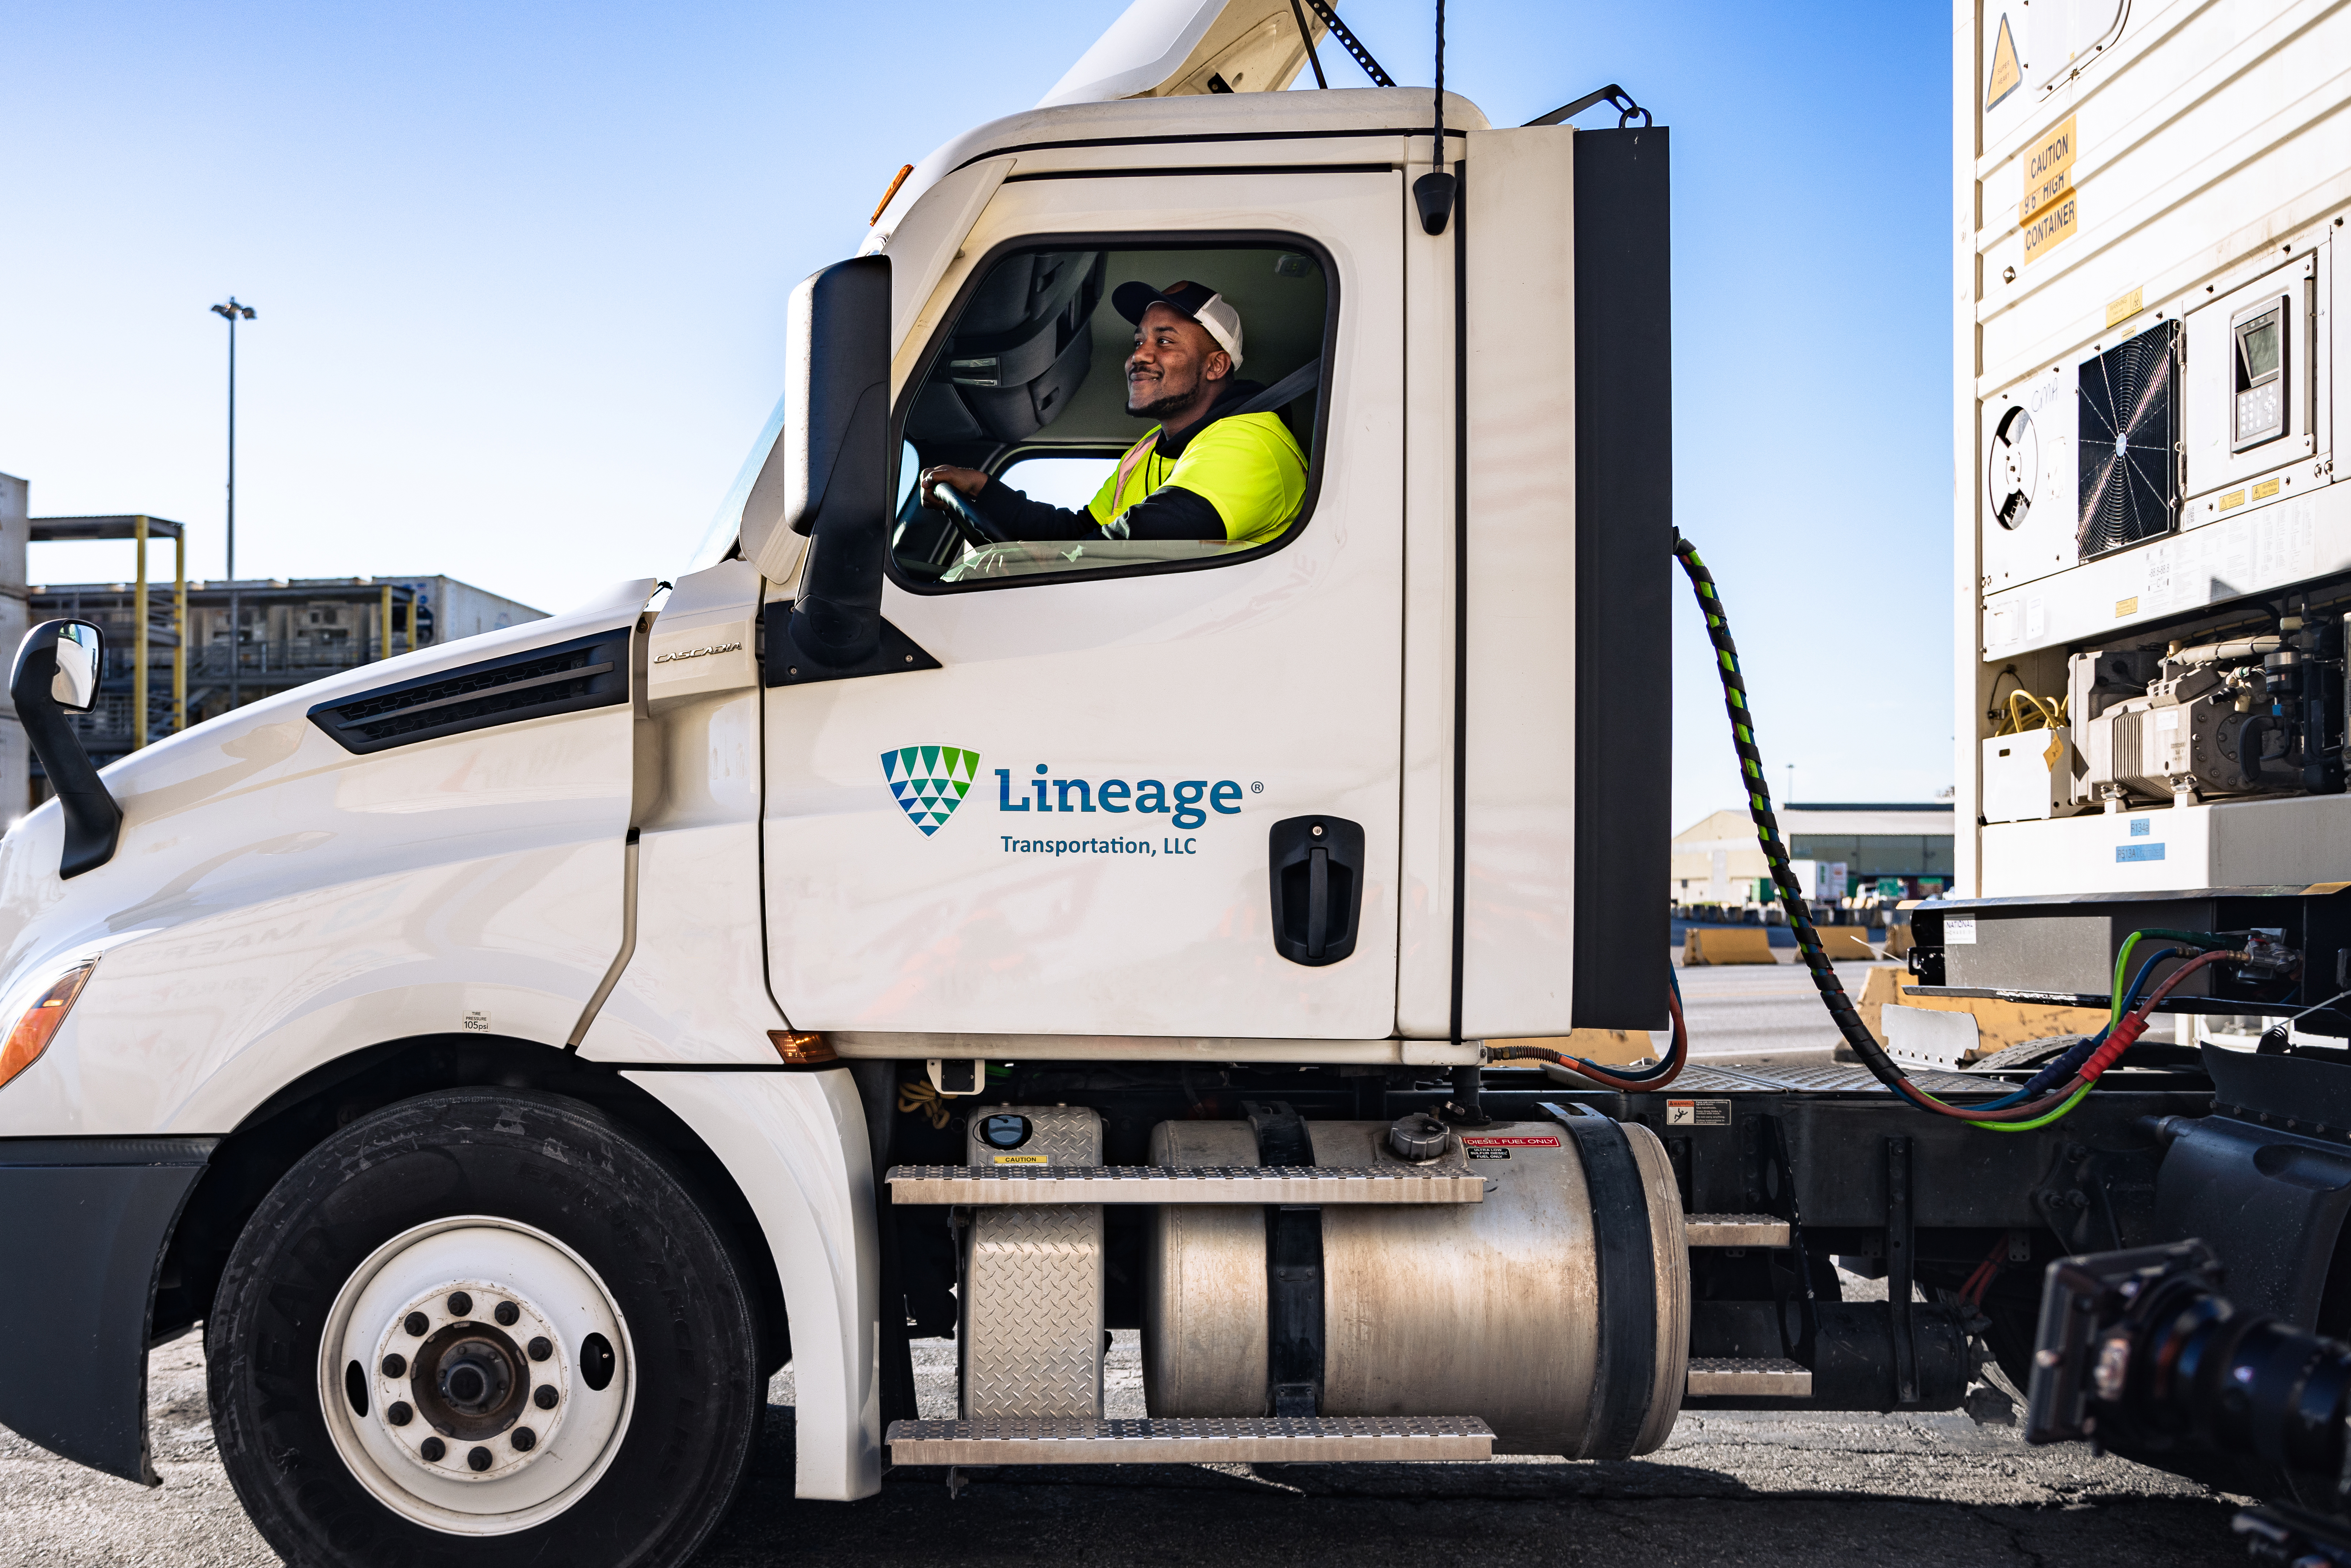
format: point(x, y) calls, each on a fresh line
point(169, 649)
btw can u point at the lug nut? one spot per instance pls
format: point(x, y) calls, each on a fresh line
point(477, 1459)
point(395, 1365)
point(544, 1396)
point(398, 1413)
point(539, 1348)
point(524, 1440)
point(433, 1449)
point(507, 1313)
point(416, 1323)
point(461, 1304)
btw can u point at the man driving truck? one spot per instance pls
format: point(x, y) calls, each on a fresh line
point(1204, 472)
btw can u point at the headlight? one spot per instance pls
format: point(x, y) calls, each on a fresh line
point(38, 1024)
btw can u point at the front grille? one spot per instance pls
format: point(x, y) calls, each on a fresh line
point(586, 672)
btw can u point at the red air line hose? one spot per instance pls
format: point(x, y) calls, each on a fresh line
point(2121, 1040)
point(1677, 1058)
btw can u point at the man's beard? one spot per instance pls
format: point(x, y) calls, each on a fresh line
point(1167, 402)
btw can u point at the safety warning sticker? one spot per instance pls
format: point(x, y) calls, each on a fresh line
point(1497, 1145)
point(2006, 75)
point(1023, 1160)
point(1698, 1112)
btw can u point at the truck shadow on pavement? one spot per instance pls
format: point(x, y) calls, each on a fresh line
point(1417, 1516)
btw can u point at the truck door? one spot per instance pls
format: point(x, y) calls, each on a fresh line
point(1071, 826)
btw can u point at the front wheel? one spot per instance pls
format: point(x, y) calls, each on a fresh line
point(483, 1325)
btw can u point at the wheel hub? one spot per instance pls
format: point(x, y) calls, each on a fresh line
point(470, 1381)
point(475, 1375)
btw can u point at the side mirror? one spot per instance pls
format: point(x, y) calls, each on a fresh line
point(56, 672)
point(831, 473)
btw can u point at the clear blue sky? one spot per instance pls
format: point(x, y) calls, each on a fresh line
point(521, 269)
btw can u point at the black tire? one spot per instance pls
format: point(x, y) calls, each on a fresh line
point(540, 1160)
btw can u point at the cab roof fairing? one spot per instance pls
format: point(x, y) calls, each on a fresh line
point(1142, 122)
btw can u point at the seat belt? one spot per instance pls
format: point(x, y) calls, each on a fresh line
point(1289, 389)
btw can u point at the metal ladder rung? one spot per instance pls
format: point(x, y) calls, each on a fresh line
point(1737, 1230)
point(1748, 1377)
point(1260, 1439)
point(1032, 1184)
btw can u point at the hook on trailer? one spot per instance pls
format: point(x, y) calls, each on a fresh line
point(1612, 95)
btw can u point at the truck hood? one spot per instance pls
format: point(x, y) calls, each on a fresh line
point(207, 811)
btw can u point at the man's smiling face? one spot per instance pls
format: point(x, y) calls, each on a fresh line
point(1174, 358)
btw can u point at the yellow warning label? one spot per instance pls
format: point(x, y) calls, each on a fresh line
point(2037, 198)
point(2053, 750)
point(2048, 171)
point(2121, 310)
point(2127, 606)
point(2265, 489)
point(2232, 500)
point(2006, 74)
point(2058, 225)
point(1023, 1160)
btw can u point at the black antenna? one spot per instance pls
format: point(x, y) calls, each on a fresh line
point(1433, 191)
point(1349, 42)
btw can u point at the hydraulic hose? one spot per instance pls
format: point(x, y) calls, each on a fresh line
point(2006, 1114)
point(1632, 1081)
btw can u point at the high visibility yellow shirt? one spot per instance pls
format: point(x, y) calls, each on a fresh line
point(1246, 466)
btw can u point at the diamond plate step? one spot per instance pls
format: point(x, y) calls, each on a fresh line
point(1737, 1230)
point(1748, 1377)
point(990, 1185)
point(1266, 1440)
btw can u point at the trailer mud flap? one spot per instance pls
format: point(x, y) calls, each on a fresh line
point(86, 1220)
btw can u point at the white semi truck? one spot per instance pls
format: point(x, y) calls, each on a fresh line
point(512, 1053)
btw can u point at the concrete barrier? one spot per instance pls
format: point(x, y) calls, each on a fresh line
point(1727, 945)
point(1844, 942)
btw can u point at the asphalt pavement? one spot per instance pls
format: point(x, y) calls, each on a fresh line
point(1729, 1488)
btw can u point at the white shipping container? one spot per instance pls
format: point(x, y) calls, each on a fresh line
point(2149, 204)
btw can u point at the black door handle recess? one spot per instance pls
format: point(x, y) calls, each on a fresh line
point(1315, 866)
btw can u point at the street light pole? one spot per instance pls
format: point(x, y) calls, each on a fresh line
point(234, 312)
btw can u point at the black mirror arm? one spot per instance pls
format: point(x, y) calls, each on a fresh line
point(93, 820)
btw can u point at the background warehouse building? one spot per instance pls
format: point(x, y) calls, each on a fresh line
point(1897, 850)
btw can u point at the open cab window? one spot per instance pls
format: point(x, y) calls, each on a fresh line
point(1028, 384)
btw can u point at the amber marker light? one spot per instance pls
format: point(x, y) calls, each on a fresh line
point(38, 1024)
point(799, 1049)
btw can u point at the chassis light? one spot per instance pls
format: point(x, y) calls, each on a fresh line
point(37, 1025)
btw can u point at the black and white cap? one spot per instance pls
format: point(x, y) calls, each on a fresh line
point(1195, 300)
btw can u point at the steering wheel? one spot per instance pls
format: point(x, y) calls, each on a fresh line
point(967, 522)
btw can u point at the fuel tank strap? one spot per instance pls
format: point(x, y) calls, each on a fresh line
point(1624, 1381)
point(1293, 1270)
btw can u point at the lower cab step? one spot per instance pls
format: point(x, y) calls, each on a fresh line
point(1266, 1439)
point(1748, 1377)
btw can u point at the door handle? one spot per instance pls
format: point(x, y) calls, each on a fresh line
point(1315, 872)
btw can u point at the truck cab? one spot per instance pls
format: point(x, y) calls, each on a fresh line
point(510, 1053)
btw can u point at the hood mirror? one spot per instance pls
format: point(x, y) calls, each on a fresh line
point(80, 648)
point(56, 672)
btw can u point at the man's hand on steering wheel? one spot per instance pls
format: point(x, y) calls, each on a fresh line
point(963, 483)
